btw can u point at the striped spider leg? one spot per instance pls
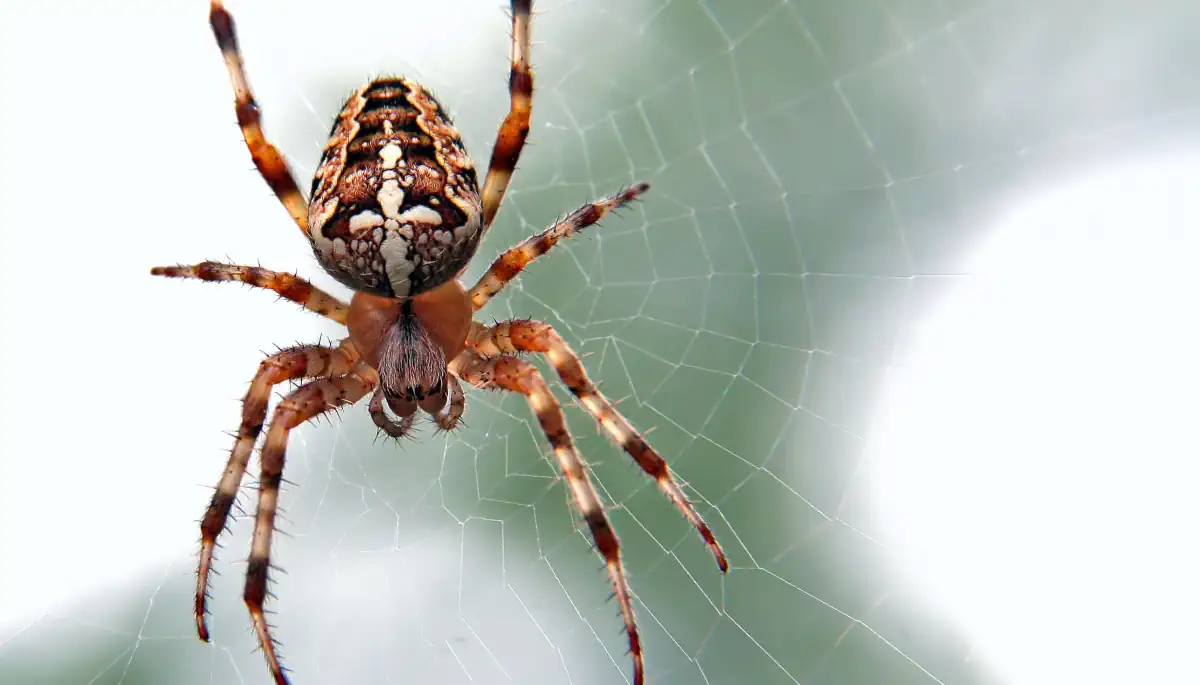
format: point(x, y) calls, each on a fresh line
point(513, 261)
point(306, 402)
point(287, 286)
point(517, 375)
point(510, 139)
point(523, 335)
point(267, 158)
point(489, 362)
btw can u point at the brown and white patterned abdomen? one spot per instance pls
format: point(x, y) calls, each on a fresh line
point(395, 207)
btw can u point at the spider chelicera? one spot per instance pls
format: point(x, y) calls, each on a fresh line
point(396, 214)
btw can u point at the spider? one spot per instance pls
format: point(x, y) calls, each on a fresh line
point(395, 213)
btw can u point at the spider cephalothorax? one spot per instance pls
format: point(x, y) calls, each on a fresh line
point(410, 341)
point(396, 214)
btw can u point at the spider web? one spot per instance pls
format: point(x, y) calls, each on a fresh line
point(824, 175)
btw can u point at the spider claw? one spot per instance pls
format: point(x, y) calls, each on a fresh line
point(202, 630)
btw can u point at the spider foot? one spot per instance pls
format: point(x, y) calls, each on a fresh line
point(255, 594)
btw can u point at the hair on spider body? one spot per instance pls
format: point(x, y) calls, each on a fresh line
point(409, 342)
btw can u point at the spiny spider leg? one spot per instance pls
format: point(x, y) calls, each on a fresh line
point(510, 139)
point(509, 264)
point(287, 286)
point(304, 361)
point(304, 403)
point(514, 337)
point(269, 160)
point(518, 375)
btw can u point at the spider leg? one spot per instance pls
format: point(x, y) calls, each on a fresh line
point(305, 361)
point(509, 264)
point(512, 337)
point(288, 287)
point(515, 128)
point(269, 160)
point(306, 402)
point(517, 375)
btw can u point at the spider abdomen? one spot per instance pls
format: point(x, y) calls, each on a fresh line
point(395, 207)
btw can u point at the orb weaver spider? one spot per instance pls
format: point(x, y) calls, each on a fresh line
point(396, 214)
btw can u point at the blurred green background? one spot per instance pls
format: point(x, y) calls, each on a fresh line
point(822, 173)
